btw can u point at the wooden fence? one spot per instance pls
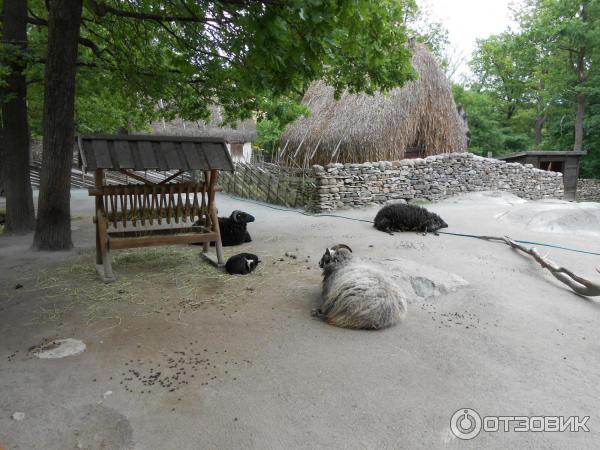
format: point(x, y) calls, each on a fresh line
point(265, 182)
point(269, 183)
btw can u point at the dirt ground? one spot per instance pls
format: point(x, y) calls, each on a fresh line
point(180, 355)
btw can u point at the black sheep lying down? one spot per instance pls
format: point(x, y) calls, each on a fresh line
point(233, 228)
point(403, 217)
point(241, 264)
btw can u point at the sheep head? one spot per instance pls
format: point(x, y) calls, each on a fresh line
point(238, 216)
point(436, 223)
point(335, 254)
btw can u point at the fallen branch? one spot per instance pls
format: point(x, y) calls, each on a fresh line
point(580, 285)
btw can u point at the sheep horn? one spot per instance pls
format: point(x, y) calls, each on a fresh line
point(338, 246)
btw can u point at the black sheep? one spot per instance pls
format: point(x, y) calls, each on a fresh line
point(241, 264)
point(403, 217)
point(233, 228)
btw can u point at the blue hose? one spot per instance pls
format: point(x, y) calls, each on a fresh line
point(440, 232)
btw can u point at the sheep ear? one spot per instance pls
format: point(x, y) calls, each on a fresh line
point(328, 252)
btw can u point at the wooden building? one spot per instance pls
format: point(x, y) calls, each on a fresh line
point(565, 162)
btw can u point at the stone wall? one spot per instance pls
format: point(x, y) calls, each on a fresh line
point(588, 190)
point(433, 178)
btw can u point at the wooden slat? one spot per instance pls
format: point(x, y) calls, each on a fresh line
point(123, 155)
point(169, 198)
point(170, 156)
point(134, 212)
point(113, 210)
point(159, 200)
point(175, 175)
point(145, 201)
point(124, 209)
point(146, 155)
point(215, 156)
point(102, 154)
point(149, 241)
point(135, 176)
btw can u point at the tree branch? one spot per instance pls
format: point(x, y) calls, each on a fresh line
point(578, 284)
point(102, 9)
point(35, 20)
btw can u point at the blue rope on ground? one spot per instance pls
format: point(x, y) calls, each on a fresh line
point(560, 247)
point(543, 244)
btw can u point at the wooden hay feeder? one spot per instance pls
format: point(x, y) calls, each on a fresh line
point(148, 213)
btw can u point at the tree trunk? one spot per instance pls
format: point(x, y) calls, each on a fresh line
point(579, 122)
point(540, 117)
point(53, 227)
point(581, 76)
point(20, 216)
point(539, 125)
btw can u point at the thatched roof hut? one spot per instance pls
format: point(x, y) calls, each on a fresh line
point(420, 116)
point(245, 131)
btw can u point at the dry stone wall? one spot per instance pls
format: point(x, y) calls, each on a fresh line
point(340, 186)
point(588, 190)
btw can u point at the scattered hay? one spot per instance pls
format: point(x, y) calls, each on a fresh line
point(165, 280)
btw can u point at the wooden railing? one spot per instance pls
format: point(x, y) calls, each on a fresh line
point(270, 183)
point(133, 203)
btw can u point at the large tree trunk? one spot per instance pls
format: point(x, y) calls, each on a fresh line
point(540, 117)
point(53, 227)
point(578, 146)
point(539, 125)
point(20, 217)
point(581, 77)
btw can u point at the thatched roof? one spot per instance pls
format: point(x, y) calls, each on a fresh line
point(360, 127)
point(244, 132)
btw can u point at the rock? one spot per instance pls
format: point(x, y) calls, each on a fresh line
point(59, 348)
point(18, 416)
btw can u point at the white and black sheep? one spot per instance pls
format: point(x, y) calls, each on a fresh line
point(241, 264)
point(403, 217)
point(356, 293)
point(233, 228)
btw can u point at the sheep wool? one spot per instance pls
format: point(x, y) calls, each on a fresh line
point(241, 264)
point(234, 229)
point(403, 217)
point(357, 294)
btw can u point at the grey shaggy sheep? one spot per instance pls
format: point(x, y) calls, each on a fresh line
point(402, 217)
point(357, 294)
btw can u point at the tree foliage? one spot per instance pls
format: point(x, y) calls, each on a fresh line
point(538, 87)
point(193, 54)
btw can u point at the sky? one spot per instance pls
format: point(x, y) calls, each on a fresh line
point(467, 20)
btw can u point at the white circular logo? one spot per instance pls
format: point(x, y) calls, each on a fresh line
point(465, 423)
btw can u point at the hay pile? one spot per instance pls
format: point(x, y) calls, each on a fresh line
point(360, 127)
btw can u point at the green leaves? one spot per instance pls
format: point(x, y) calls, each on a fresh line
point(191, 54)
point(533, 76)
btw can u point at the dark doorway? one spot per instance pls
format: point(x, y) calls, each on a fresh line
point(552, 166)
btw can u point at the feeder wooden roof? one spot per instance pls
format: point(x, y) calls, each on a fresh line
point(142, 152)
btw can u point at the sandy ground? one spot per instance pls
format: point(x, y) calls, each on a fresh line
point(242, 364)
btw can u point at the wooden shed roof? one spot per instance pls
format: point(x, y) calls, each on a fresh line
point(559, 153)
point(142, 152)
